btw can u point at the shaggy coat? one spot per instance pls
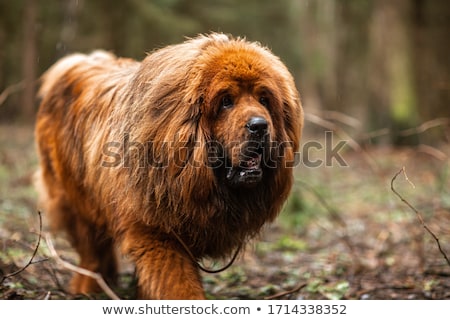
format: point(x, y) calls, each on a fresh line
point(192, 146)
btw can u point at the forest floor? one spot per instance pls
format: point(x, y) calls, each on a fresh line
point(344, 233)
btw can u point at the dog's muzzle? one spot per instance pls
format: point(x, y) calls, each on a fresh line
point(249, 171)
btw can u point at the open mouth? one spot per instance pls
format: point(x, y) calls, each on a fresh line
point(249, 172)
point(252, 163)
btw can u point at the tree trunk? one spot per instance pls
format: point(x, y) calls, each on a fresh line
point(432, 57)
point(70, 9)
point(392, 99)
point(29, 62)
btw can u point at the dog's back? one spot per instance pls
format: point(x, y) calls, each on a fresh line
point(74, 93)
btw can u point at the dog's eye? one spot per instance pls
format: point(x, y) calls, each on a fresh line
point(227, 102)
point(264, 101)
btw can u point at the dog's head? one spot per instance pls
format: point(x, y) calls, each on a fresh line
point(229, 111)
point(251, 112)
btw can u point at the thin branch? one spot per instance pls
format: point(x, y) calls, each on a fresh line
point(407, 179)
point(336, 216)
point(40, 260)
point(438, 154)
point(383, 288)
point(94, 275)
point(342, 118)
point(419, 216)
point(9, 90)
point(331, 126)
point(343, 135)
point(331, 211)
point(32, 256)
point(285, 293)
point(53, 275)
point(375, 134)
point(425, 126)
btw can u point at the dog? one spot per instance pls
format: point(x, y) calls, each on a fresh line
point(183, 156)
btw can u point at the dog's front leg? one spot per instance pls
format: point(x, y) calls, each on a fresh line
point(163, 268)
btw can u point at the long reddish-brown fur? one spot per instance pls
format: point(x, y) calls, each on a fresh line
point(125, 156)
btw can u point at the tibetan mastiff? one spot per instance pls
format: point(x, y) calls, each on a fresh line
point(182, 156)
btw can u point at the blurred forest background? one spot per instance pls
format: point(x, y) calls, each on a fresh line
point(374, 72)
point(385, 64)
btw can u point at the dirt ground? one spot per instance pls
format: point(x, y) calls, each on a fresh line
point(344, 233)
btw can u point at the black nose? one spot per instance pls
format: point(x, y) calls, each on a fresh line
point(257, 126)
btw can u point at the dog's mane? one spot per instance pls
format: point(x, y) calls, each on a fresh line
point(161, 102)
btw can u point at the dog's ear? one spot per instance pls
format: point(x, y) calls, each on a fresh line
point(182, 136)
point(188, 167)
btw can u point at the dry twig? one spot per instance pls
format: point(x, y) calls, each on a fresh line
point(419, 216)
point(343, 135)
point(331, 126)
point(336, 216)
point(36, 248)
point(9, 90)
point(436, 153)
point(342, 118)
point(285, 293)
point(94, 275)
point(438, 122)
